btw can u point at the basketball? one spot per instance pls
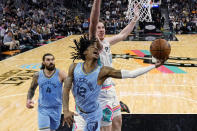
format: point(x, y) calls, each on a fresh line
point(160, 49)
point(147, 47)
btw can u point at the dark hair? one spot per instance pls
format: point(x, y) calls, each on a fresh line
point(43, 58)
point(81, 46)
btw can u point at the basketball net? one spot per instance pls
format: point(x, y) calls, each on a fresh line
point(143, 10)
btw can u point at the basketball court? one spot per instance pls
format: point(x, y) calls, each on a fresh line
point(170, 89)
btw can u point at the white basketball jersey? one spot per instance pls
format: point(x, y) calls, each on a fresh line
point(105, 54)
point(106, 59)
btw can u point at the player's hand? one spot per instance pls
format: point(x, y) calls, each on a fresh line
point(160, 62)
point(30, 104)
point(68, 118)
point(136, 12)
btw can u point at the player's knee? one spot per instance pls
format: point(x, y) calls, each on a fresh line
point(106, 128)
point(117, 121)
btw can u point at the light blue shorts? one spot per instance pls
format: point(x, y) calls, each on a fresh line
point(88, 122)
point(49, 117)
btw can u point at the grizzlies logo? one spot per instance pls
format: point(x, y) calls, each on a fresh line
point(92, 126)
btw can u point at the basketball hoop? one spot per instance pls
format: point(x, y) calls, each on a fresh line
point(143, 6)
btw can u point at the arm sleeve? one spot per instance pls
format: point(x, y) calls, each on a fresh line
point(135, 73)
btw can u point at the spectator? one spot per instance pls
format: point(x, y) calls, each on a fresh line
point(85, 26)
point(10, 41)
point(2, 31)
point(182, 13)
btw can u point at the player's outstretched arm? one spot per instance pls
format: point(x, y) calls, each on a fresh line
point(68, 115)
point(94, 18)
point(121, 74)
point(31, 91)
point(126, 31)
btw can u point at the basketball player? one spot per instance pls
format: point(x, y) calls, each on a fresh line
point(95, 14)
point(107, 98)
point(87, 79)
point(112, 120)
point(50, 82)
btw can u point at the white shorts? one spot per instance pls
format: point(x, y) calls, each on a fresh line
point(111, 108)
point(79, 124)
point(110, 104)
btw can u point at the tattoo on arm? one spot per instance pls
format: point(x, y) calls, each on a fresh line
point(33, 86)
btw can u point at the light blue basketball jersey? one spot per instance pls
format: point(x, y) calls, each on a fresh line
point(85, 88)
point(50, 90)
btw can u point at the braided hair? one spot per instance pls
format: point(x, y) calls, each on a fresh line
point(81, 46)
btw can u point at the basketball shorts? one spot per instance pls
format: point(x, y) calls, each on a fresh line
point(88, 122)
point(110, 105)
point(49, 117)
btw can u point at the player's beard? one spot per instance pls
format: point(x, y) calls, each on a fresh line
point(51, 67)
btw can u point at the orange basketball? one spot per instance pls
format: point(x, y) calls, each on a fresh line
point(160, 49)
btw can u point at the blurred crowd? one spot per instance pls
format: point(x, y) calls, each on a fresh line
point(183, 15)
point(24, 22)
